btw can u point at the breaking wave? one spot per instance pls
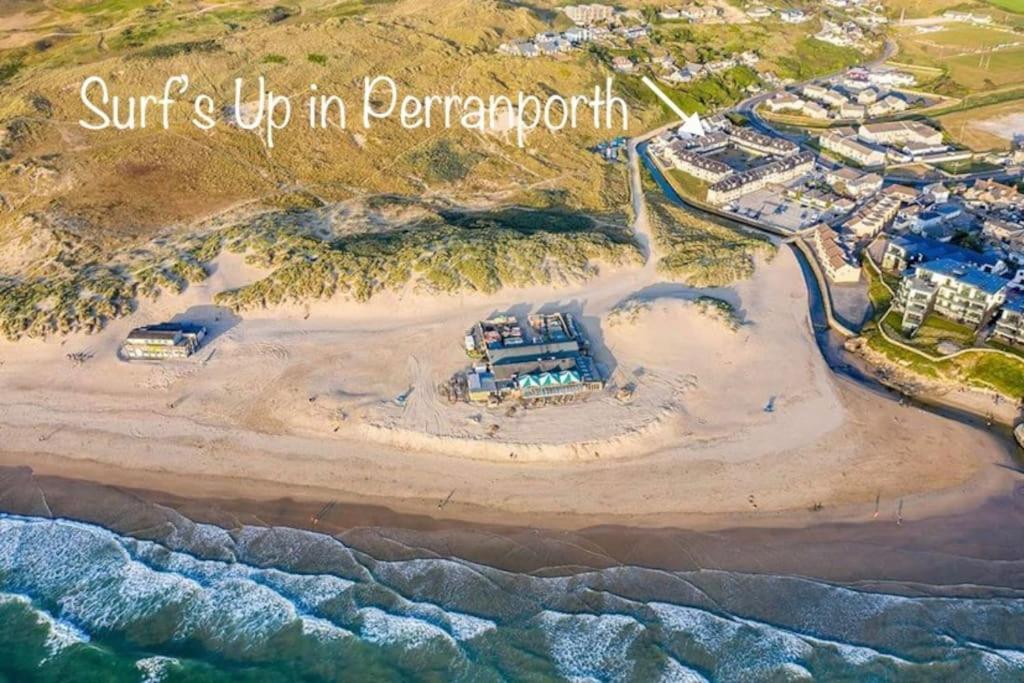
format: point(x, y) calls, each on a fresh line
point(300, 604)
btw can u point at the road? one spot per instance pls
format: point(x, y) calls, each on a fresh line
point(748, 107)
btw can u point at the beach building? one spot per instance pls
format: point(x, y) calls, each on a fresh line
point(952, 289)
point(546, 358)
point(1009, 327)
point(849, 110)
point(163, 341)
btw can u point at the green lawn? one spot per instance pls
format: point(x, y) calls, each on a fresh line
point(878, 293)
point(687, 185)
point(937, 329)
point(998, 372)
point(1016, 6)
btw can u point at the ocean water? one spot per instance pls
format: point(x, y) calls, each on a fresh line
point(79, 602)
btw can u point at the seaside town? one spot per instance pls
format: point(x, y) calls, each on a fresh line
point(846, 168)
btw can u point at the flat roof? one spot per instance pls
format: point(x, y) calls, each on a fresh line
point(1016, 305)
point(986, 282)
point(930, 250)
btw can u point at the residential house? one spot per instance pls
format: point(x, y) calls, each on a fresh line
point(784, 102)
point(873, 217)
point(623, 64)
point(834, 257)
point(993, 195)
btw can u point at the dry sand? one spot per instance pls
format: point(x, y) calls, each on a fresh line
point(300, 403)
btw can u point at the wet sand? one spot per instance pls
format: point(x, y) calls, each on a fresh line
point(975, 552)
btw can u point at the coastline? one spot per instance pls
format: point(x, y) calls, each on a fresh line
point(294, 407)
point(972, 552)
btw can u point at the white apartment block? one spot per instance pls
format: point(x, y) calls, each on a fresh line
point(850, 148)
point(952, 289)
point(584, 15)
point(900, 133)
point(781, 171)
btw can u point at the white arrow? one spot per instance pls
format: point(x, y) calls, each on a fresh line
point(691, 122)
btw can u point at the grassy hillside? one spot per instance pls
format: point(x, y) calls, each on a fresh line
point(92, 220)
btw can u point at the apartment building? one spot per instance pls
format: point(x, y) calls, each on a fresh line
point(704, 168)
point(752, 141)
point(163, 341)
point(781, 171)
point(900, 133)
point(1009, 327)
point(584, 15)
point(851, 148)
point(904, 251)
point(873, 217)
point(952, 289)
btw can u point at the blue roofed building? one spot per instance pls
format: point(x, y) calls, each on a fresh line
point(1009, 327)
point(906, 250)
point(951, 288)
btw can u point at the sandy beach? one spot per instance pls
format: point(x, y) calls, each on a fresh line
point(299, 403)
